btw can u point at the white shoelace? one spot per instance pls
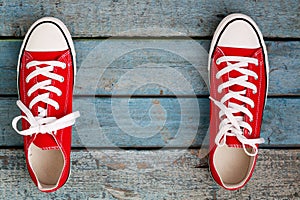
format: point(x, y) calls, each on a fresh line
point(232, 125)
point(41, 123)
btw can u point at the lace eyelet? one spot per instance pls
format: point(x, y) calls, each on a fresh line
point(254, 92)
point(62, 80)
point(256, 78)
point(252, 107)
point(251, 120)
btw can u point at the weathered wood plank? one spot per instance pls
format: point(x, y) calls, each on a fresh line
point(136, 67)
point(155, 18)
point(155, 122)
point(172, 174)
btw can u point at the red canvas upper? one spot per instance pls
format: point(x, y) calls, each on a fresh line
point(62, 139)
point(258, 98)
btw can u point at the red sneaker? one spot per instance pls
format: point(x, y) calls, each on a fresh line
point(46, 72)
point(238, 68)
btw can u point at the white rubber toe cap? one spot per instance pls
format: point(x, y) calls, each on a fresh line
point(46, 36)
point(239, 34)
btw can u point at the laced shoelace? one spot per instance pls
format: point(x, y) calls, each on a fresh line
point(41, 123)
point(232, 125)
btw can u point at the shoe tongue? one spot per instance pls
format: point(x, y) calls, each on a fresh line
point(229, 51)
point(45, 141)
point(47, 56)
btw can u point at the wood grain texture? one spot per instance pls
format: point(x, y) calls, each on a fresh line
point(150, 122)
point(149, 18)
point(122, 74)
point(172, 174)
point(155, 122)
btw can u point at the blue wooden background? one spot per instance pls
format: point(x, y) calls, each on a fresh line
point(104, 171)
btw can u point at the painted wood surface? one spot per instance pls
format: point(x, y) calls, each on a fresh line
point(172, 174)
point(141, 66)
point(109, 18)
point(156, 122)
point(147, 122)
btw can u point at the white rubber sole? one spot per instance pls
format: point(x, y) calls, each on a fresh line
point(219, 30)
point(64, 30)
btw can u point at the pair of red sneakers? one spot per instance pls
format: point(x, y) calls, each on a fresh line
point(238, 86)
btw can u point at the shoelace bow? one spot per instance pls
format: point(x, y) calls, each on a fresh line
point(41, 123)
point(232, 125)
